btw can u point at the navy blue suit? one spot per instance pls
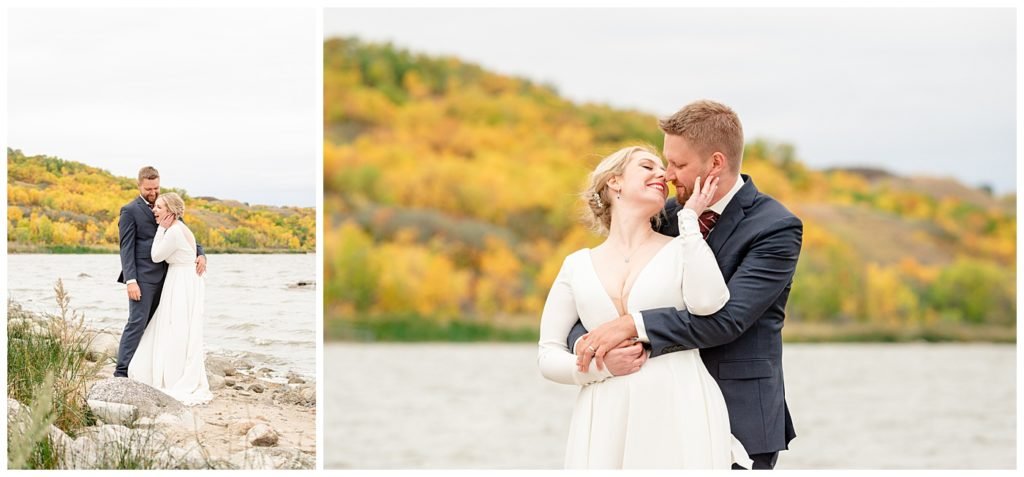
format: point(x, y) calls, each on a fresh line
point(136, 228)
point(756, 242)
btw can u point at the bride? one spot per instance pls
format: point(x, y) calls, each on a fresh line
point(670, 413)
point(170, 355)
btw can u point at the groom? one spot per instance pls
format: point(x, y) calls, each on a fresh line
point(145, 279)
point(756, 242)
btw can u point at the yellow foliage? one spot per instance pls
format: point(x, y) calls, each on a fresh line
point(888, 299)
point(921, 273)
point(414, 279)
point(14, 214)
point(499, 286)
point(111, 234)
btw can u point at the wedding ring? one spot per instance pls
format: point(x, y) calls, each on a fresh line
point(592, 349)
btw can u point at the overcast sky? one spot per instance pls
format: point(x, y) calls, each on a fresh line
point(222, 101)
point(924, 91)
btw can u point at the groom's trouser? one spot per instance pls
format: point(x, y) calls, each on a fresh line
point(761, 461)
point(139, 314)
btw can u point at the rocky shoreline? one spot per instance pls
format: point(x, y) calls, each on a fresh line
point(259, 418)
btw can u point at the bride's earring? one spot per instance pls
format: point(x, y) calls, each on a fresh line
point(618, 194)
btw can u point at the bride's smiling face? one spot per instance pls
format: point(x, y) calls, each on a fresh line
point(642, 183)
point(159, 209)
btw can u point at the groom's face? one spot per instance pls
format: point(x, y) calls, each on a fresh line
point(685, 164)
point(149, 189)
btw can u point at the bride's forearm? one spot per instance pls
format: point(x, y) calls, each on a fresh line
point(704, 289)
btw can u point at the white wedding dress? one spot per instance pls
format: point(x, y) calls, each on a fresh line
point(170, 356)
point(671, 413)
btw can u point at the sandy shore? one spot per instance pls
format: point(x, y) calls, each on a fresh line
point(226, 415)
point(259, 418)
point(243, 396)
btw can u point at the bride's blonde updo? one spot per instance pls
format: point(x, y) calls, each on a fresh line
point(174, 204)
point(598, 213)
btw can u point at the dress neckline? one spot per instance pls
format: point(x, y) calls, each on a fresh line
point(604, 291)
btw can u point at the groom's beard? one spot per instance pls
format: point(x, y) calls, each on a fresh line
point(683, 192)
point(682, 195)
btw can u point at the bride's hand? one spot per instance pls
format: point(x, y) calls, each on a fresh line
point(600, 341)
point(700, 199)
point(167, 221)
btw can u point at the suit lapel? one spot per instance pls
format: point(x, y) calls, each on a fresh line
point(733, 214)
point(145, 207)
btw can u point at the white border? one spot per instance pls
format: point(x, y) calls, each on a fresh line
point(318, 39)
point(320, 285)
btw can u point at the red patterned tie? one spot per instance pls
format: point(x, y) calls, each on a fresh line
point(707, 222)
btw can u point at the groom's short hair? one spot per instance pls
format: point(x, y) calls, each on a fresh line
point(148, 172)
point(709, 127)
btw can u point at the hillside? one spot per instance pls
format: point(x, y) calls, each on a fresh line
point(450, 201)
point(55, 205)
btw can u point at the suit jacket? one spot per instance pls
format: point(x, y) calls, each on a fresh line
point(756, 242)
point(136, 228)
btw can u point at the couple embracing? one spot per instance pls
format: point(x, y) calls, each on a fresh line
point(672, 326)
point(162, 266)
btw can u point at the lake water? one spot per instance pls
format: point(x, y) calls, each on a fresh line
point(250, 309)
point(855, 406)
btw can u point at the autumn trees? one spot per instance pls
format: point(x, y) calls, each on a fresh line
point(450, 195)
point(59, 205)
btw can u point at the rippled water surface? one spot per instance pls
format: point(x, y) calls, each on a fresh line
point(855, 406)
point(253, 307)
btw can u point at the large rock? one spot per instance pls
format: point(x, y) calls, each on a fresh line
point(113, 398)
point(272, 458)
point(149, 401)
point(114, 412)
point(103, 447)
point(262, 435)
point(59, 439)
point(102, 345)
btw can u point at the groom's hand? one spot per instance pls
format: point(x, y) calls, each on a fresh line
point(605, 338)
point(201, 265)
point(134, 292)
point(626, 359)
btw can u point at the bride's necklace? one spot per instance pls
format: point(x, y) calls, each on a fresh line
point(636, 249)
